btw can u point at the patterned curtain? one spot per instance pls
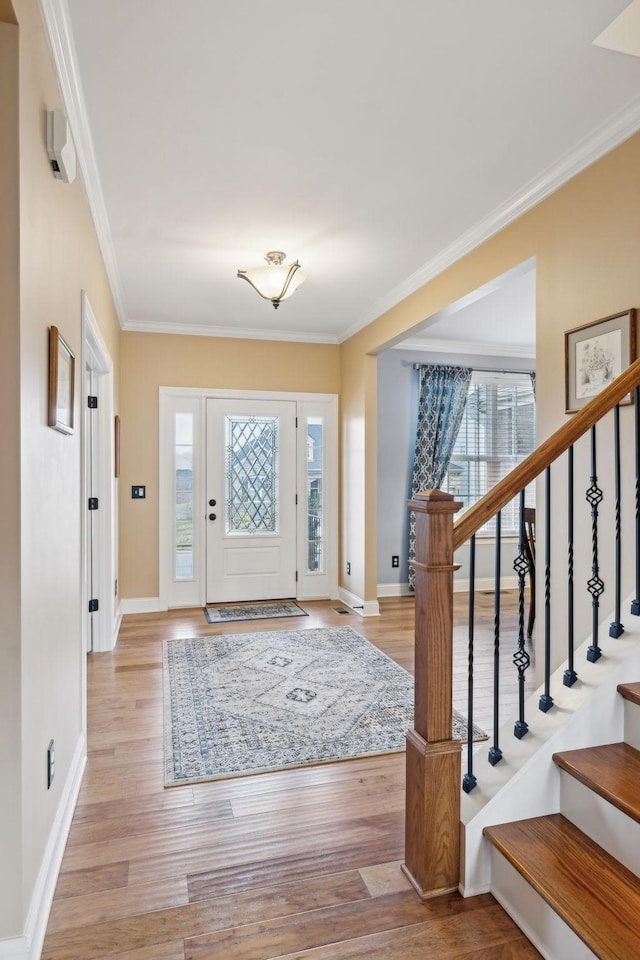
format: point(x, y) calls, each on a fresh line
point(443, 395)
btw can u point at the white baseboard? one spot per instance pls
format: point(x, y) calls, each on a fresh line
point(394, 590)
point(117, 622)
point(29, 945)
point(485, 583)
point(370, 608)
point(142, 605)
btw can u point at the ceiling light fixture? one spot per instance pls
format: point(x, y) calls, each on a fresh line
point(278, 280)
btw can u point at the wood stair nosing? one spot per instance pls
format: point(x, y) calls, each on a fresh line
point(612, 771)
point(630, 691)
point(595, 895)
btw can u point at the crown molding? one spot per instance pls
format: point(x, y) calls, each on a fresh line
point(605, 138)
point(469, 347)
point(55, 15)
point(234, 333)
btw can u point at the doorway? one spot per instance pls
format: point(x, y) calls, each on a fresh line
point(248, 496)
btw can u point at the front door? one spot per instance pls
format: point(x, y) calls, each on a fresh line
point(251, 500)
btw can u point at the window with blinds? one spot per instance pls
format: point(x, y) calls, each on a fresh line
point(497, 432)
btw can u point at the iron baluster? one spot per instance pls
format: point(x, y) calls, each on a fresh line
point(635, 604)
point(616, 629)
point(469, 780)
point(546, 700)
point(495, 753)
point(570, 675)
point(521, 657)
point(595, 585)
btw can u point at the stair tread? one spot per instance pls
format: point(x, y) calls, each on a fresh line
point(630, 691)
point(591, 891)
point(612, 771)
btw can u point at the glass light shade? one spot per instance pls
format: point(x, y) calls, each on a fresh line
point(276, 281)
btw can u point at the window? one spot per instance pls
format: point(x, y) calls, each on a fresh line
point(497, 432)
point(183, 496)
point(315, 494)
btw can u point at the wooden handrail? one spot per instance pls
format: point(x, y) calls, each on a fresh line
point(546, 453)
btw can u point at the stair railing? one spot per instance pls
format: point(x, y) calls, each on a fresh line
point(433, 767)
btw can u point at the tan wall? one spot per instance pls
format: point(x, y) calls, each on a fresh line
point(59, 256)
point(586, 241)
point(149, 361)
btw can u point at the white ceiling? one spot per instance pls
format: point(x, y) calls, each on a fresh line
point(374, 140)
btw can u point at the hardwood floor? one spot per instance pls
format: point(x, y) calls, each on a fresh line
point(299, 864)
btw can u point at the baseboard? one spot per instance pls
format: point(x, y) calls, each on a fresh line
point(117, 623)
point(394, 590)
point(368, 608)
point(485, 583)
point(141, 605)
point(29, 945)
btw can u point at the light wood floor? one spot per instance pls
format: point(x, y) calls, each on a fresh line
point(297, 864)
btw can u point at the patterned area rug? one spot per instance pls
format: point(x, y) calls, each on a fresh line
point(254, 611)
point(252, 702)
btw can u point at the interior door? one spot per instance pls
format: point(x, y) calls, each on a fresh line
point(251, 500)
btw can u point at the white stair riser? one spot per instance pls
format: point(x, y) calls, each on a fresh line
point(613, 830)
point(632, 724)
point(537, 920)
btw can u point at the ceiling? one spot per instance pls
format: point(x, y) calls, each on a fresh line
point(374, 140)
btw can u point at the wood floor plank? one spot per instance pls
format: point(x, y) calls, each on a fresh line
point(126, 901)
point(103, 877)
point(154, 821)
point(343, 924)
point(99, 940)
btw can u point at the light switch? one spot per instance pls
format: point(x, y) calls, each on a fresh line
point(138, 493)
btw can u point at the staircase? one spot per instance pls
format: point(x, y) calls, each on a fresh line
point(548, 819)
point(571, 879)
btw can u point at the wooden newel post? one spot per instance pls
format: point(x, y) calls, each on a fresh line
point(432, 825)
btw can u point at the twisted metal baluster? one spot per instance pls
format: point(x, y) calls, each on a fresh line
point(521, 658)
point(595, 585)
point(469, 780)
point(635, 604)
point(495, 753)
point(616, 629)
point(546, 700)
point(570, 675)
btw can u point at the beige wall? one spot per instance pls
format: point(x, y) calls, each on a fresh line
point(59, 257)
point(10, 667)
point(149, 361)
point(585, 238)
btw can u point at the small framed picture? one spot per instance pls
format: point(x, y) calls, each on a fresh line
point(595, 354)
point(61, 383)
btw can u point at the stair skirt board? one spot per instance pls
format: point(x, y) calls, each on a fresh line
point(538, 921)
point(611, 829)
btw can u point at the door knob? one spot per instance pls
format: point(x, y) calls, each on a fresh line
point(212, 516)
point(212, 503)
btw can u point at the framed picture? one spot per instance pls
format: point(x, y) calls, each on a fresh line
point(595, 354)
point(116, 451)
point(61, 382)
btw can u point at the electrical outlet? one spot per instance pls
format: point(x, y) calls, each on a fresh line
point(348, 568)
point(395, 560)
point(51, 763)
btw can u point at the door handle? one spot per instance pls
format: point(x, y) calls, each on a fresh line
point(212, 503)
point(212, 516)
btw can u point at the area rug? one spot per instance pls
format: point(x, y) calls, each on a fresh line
point(252, 702)
point(254, 611)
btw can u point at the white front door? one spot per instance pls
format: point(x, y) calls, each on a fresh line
point(251, 500)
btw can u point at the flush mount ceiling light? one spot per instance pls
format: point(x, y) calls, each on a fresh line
point(278, 280)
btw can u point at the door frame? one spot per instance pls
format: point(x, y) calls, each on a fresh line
point(172, 399)
point(96, 357)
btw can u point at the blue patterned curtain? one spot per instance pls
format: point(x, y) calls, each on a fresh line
point(443, 395)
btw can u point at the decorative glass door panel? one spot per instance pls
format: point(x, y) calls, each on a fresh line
point(251, 475)
point(251, 500)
